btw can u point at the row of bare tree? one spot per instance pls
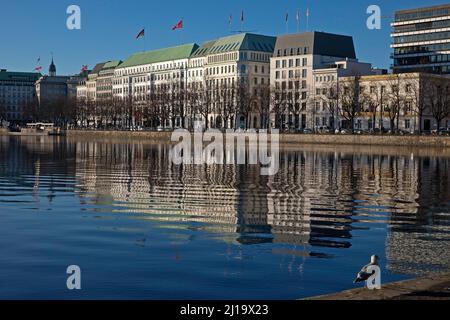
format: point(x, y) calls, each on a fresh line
point(172, 105)
point(239, 104)
point(389, 98)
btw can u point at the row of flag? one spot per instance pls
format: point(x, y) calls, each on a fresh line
point(298, 15)
point(178, 26)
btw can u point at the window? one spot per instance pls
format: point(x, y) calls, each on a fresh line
point(407, 124)
point(304, 73)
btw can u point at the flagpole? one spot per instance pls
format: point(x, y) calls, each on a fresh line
point(287, 23)
point(307, 19)
point(144, 39)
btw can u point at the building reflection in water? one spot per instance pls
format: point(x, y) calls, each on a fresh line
point(320, 196)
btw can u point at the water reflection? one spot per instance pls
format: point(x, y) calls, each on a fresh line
point(319, 200)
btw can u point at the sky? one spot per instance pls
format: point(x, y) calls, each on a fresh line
point(30, 29)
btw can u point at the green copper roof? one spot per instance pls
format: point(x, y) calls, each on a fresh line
point(111, 64)
point(19, 76)
point(238, 42)
point(204, 49)
point(155, 56)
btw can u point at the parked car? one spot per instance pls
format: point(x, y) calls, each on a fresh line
point(324, 129)
point(444, 132)
point(307, 131)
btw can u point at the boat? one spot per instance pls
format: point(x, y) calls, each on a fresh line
point(57, 132)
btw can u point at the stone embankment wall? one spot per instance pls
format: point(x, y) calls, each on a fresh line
point(290, 139)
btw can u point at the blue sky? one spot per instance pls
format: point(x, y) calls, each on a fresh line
point(30, 29)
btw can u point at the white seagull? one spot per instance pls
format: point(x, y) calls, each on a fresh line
point(364, 275)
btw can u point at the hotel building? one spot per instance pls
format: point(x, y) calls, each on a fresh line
point(231, 66)
point(158, 72)
point(421, 40)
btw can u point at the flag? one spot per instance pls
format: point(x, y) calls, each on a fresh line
point(242, 16)
point(287, 17)
point(84, 68)
point(179, 25)
point(38, 65)
point(230, 20)
point(307, 13)
point(298, 15)
point(141, 34)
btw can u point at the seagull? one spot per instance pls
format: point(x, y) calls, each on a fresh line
point(363, 275)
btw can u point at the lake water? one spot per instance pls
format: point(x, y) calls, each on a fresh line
point(141, 228)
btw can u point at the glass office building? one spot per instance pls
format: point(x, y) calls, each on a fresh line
point(421, 40)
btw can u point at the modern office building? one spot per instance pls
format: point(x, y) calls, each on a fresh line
point(16, 92)
point(421, 40)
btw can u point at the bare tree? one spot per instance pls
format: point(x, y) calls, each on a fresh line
point(396, 100)
point(244, 100)
point(277, 105)
point(330, 99)
point(350, 100)
point(263, 100)
point(438, 99)
point(204, 104)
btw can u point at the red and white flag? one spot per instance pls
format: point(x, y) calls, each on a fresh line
point(179, 25)
point(84, 68)
point(38, 65)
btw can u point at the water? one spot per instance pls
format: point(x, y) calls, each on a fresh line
point(141, 228)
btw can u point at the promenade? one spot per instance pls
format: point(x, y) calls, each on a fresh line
point(435, 287)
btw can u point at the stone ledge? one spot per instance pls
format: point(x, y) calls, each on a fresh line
point(285, 139)
point(435, 287)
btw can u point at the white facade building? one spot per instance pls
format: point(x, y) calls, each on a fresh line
point(302, 66)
